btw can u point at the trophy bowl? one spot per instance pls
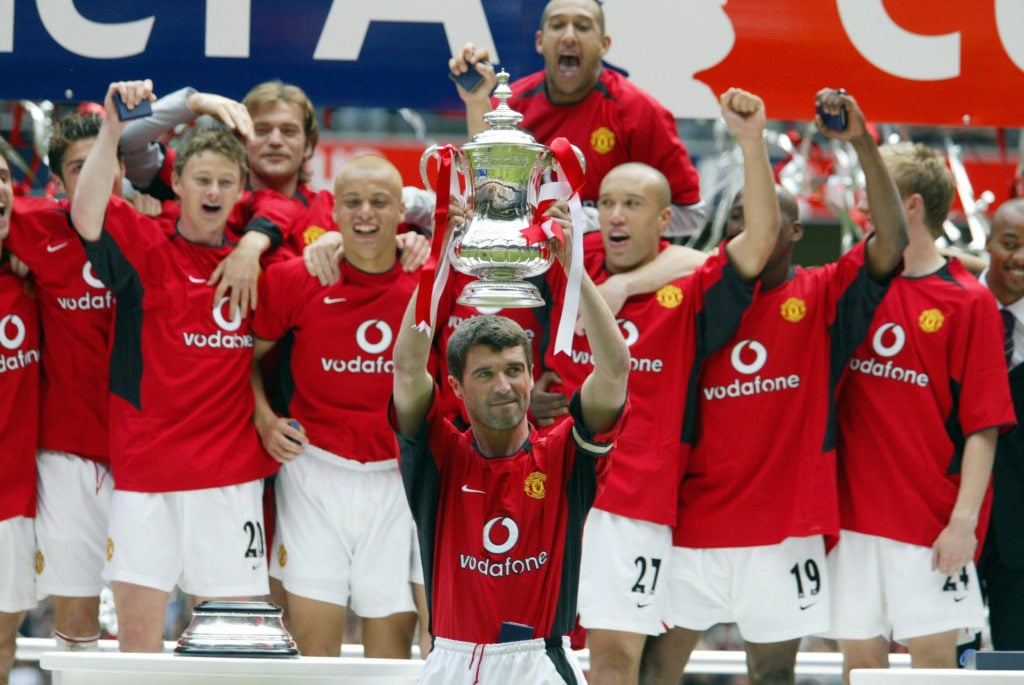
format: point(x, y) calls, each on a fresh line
point(503, 168)
point(230, 629)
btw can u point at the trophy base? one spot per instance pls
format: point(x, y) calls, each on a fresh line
point(501, 294)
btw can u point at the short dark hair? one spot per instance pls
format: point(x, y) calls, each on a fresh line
point(216, 139)
point(496, 332)
point(69, 130)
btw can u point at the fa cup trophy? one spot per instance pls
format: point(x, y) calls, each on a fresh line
point(502, 169)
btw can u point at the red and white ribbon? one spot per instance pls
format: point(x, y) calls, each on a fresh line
point(434, 274)
point(569, 179)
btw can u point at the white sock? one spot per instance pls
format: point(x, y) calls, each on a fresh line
point(66, 643)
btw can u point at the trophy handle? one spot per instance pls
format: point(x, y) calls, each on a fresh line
point(428, 154)
point(460, 166)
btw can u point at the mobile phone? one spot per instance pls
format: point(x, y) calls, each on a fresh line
point(836, 122)
point(141, 110)
point(297, 426)
point(471, 80)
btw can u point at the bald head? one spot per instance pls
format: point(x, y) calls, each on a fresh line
point(1009, 211)
point(645, 178)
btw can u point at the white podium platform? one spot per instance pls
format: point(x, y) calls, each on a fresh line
point(934, 676)
point(112, 668)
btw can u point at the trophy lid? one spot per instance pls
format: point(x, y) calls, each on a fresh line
point(503, 121)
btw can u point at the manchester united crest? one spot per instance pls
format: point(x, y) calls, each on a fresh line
point(670, 296)
point(310, 235)
point(40, 562)
point(930, 320)
point(282, 556)
point(793, 309)
point(534, 485)
point(602, 140)
point(110, 549)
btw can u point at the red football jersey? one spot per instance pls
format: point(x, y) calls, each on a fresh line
point(767, 412)
point(616, 123)
point(77, 312)
point(500, 538)
point(181, 402)
point(929, 372)
point(19, 394)
point(340, 360)
point(669, 333)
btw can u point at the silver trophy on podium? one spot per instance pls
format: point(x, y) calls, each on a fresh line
point(503, 169)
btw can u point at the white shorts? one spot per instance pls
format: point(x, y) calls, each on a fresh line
point(773, 593)
point(624, 574)
point(71, 524)
point(528, 661)
point(343, 533)
point(882, 587)
point(17, 565)
point(207, 542)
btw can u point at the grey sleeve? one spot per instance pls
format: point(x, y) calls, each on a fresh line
point(143, 156)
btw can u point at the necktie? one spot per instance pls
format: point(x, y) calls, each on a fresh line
point(1008, 322)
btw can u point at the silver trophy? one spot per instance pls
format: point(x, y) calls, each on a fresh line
point(503, 168)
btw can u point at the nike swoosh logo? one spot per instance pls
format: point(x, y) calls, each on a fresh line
point(808, 606)
point(959, 599)
point(642, 606)
point(333, 300)
point(58, 246)
point(466, 488)
point(197, 280)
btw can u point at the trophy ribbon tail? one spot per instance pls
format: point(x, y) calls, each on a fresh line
point(570, 170)
point(434, 274)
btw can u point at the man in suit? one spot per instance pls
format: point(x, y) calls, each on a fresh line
point(1002, 559)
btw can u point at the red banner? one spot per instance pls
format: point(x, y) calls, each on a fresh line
point(943, 62)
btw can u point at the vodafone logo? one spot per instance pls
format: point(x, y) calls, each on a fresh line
point(9, 322)
point(898, 338)
point(383, 336)
point(759, 352)
point(629, 331)
point(218, 316)
point(89, 276)
point(510, 539)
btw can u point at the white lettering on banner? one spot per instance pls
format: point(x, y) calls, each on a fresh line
point(6, 25)
point(94, 39)
point(349, 21)
point(1009, 20)
point(895, 50)
point(228, 25)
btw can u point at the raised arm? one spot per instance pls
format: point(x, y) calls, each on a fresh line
point(144, 157)
point(101, 166)
point(604, 391)
point(413, 385)
point(749, 251)
point(886, 245)
point(478, 101)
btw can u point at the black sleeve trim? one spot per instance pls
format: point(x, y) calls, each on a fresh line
point(267, 227)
